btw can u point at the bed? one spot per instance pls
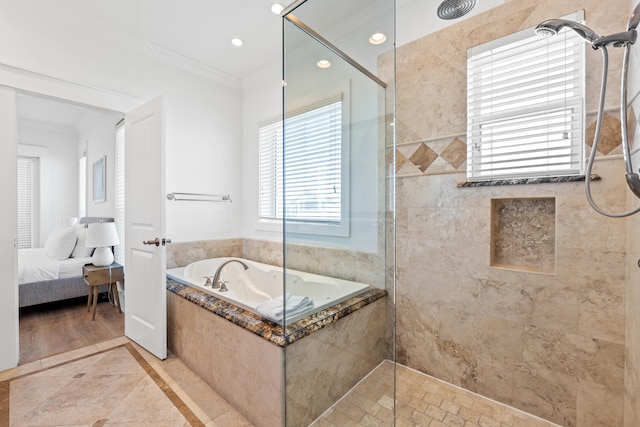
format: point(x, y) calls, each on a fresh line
point(47, 274)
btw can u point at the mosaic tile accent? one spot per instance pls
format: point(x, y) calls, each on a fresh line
point(422, 401)
point(523, 233)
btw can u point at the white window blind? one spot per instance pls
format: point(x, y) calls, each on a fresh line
point(26, 171)
point(82, 186)
point(119, 190)
point(307, 183)
point(525, 108)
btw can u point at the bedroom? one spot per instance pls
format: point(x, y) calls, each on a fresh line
point(58, 142)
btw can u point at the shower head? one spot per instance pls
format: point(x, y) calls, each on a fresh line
point(452, 9)
point(553, 27)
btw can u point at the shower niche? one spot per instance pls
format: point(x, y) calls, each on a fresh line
point(523, 234)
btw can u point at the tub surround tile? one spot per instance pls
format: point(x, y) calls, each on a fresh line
point(270, 330)
point(181, 254)
point(332, 359)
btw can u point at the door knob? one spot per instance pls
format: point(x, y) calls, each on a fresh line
point(156, 242)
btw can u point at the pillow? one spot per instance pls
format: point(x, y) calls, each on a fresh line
point(61, 242)
point(81, 251)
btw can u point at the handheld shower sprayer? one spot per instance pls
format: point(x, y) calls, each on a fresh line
point(553, 26)
point(624, 40)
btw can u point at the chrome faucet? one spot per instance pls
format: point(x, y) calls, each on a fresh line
point(216, 277)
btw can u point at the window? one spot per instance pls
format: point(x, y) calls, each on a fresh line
point(309, 187)
point(525, 109)
point(119, 197)
point(27, 200)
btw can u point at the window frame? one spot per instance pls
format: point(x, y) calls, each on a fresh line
point(571, 110)
point(340, 229)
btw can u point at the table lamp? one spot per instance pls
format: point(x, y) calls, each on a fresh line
point(102, 235)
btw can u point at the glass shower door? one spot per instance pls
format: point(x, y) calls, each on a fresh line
point(338, 211)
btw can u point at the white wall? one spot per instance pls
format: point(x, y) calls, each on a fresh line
point(58, 172)
point(8, 259)
point(262, 101)
point(97, 132)
point(203, 115)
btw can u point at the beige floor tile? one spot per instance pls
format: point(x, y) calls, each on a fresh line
point(20, 370)
point(421, 401)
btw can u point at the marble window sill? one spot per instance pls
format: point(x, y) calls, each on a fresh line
point(521, 181)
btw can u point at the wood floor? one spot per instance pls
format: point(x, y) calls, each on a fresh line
point(49, 329)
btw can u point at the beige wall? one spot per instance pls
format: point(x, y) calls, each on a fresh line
point(632, 351)
point(551, 344)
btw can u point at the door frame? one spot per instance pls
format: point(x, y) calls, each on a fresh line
point(26, 81)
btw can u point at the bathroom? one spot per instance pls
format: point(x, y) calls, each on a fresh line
point(560, 344)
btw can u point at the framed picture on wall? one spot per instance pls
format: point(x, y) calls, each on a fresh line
point(100, 179)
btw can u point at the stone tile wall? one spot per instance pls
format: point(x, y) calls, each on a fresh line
point(550, 344)
point(632, 327)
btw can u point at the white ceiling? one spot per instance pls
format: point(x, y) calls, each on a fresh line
point(199, 31)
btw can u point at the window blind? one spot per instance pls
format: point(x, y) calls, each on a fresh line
point(119, 190)
point(25, 191)
point(525, 110)
point(301, 174)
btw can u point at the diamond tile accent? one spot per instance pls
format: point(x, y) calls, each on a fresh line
point(400, 160)
point(456, 153)
point(610, 137)
point(423, 157)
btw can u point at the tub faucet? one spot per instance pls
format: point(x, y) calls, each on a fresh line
point(216, 277)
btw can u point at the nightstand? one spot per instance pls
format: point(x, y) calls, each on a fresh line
point(95, 276)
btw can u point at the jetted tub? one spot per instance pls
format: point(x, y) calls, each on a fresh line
point(263, 282)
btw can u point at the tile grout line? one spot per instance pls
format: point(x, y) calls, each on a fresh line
point(166, 389)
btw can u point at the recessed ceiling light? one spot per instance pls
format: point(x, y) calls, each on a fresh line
point(377, 38)
point(277, 8)
point(323, 63)
point(237, 42)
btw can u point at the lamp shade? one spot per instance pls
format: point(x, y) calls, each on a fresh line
point(102, 234)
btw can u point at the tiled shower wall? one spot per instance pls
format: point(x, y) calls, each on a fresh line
point(632, 353)
point(552, 342)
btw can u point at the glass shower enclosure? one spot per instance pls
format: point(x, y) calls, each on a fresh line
point(337, 197)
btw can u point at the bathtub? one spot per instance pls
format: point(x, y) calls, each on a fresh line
point(263, 282)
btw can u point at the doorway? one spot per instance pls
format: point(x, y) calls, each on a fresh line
point(60, 141)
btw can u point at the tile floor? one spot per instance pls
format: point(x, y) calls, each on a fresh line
point(117, 383)
point(422, 401)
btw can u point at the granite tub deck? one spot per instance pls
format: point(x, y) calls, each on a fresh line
point(242, 356)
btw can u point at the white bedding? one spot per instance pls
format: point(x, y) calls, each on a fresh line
point(34, 265)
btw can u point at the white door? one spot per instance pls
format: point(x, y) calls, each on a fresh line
point(145, 264)
point(9, 348)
